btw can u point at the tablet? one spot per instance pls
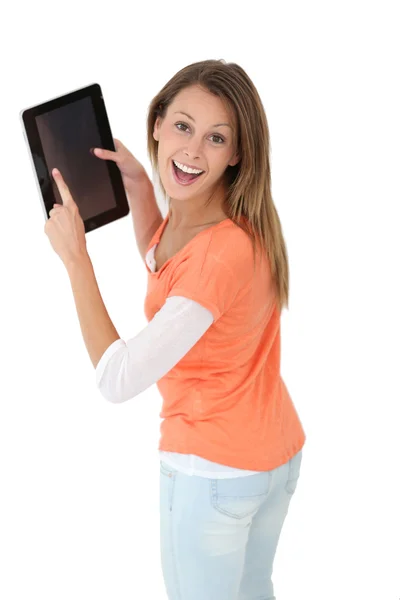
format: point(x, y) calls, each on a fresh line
point(61, 133)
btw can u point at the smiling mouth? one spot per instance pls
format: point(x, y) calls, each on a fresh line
point(184, 177)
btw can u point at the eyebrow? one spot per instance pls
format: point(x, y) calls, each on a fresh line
point(191, 118)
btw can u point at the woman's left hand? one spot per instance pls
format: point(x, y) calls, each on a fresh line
point(65, 228)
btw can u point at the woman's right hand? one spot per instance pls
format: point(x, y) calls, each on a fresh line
point(131, 169)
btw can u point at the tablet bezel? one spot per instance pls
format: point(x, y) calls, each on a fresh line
point(32, 138)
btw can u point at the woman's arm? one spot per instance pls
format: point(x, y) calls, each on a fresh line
point(145, 213)
point(129, 368)
point(97, 328)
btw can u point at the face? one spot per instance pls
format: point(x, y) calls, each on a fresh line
point(202, 139)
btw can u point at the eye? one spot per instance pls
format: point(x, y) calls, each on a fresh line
point(219, 137)
point(177, 125)
point(184, 125)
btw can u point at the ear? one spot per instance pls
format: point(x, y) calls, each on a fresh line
point(235, 159)
point(156, 129)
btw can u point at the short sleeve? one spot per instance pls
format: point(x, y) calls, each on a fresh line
point(210, 279)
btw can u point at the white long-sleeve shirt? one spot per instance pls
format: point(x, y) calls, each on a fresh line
point(128, 368)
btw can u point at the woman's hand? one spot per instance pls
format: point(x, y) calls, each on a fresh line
point(131, 169)
point(65, 228)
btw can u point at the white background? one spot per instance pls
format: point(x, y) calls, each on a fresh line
point(79, 477)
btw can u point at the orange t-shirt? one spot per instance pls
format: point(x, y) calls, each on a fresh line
point(225, 400)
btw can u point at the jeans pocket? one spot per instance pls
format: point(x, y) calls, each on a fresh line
point(240, 497)
point(294, 473)
point(167, 483)
point(165, 469)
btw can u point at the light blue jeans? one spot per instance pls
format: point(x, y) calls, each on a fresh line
point(219, 536)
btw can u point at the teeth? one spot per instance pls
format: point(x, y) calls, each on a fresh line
point(186, 169)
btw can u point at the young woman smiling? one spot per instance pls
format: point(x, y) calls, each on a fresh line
point(231, 440)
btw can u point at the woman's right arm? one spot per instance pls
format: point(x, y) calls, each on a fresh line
point(146, 215)
point(140, 193)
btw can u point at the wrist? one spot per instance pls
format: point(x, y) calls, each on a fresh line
point(141, 181)
point(77, 262)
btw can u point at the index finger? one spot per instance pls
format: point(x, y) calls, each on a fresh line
point(62, 187)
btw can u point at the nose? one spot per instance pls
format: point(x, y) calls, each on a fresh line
point(193, 148)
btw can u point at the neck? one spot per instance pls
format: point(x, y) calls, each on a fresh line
point(191, 214)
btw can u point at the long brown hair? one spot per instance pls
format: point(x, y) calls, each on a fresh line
point(249, 200)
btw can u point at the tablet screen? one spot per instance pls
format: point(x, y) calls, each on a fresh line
point(67, 134)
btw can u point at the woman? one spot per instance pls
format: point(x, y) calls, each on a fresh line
point(231, 440)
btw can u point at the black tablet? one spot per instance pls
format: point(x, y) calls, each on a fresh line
point(61, 133)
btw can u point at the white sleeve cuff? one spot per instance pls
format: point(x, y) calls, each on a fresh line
point(101, 365)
